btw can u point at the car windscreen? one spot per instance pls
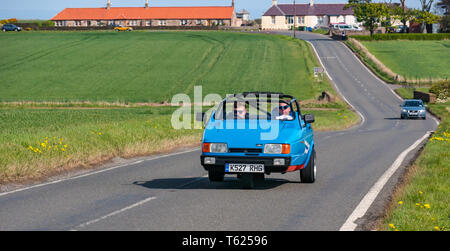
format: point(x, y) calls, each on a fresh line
point(412, 103)
point(255, 109)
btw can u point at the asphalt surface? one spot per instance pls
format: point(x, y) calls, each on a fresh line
point(173, 193)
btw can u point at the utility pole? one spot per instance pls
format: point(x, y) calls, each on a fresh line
point(295, 14)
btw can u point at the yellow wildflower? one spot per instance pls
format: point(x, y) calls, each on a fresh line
point(420, 192)
point(417, 204)
point(400, 202)
point(391, 226)
point(426, 205)
point(437, 228)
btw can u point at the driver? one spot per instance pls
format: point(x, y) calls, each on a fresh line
point(284, 112)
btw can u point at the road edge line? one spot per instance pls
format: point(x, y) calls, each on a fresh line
point(370, 197)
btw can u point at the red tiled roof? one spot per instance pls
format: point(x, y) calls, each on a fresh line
point(130, 13)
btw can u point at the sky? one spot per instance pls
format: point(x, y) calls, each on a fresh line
point(46, 9)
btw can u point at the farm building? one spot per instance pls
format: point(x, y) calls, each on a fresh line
point(148, 16)
point(283, 16)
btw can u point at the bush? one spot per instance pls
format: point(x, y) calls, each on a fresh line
point(441, 89)
point(402, 36)
point(47, 23)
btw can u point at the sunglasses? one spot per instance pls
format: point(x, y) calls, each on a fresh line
point(284, 107)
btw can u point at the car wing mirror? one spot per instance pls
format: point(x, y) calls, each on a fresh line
point(309, 118)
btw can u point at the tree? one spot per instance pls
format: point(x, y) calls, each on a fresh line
point(444, 6)
point(404, 14)
point(368, 13)
point(388, 13)
point(425, 18)
point(426, 7)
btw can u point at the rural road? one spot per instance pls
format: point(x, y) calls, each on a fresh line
point(171, 192)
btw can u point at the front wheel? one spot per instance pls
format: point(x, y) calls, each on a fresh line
point(308, 174)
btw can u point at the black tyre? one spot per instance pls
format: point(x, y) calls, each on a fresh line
point(215, 176)
point(308, 174)
point(248, 180)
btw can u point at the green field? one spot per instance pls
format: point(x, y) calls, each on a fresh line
point(150, 66)
point(414, 59)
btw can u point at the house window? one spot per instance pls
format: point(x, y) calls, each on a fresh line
point(273, 20)
point(199, 22)
point(320, 20)
point(220, 22)
point(148, 23)
point(132, 23)
point(77, 23)
point(301, 20)
point(290, 19)
point(162, 22)
point(183, 22)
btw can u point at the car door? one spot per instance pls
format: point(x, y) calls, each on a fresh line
point(306, 129)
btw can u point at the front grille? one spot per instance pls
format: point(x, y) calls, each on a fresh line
point(245, 150)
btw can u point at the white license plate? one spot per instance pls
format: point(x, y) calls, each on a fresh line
point(244, 168)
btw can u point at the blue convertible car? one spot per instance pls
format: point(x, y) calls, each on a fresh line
point(255, 134)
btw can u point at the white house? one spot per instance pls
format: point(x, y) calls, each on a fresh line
point(283, 16)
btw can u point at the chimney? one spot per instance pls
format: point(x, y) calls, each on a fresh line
point(311, 3)
point(146, 3)
point(274, 2)
point(108, 5)
point(232, 3)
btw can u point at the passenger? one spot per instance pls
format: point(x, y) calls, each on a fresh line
point(239, 112)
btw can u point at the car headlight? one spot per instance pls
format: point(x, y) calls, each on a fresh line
point(215, 148)
point(277, 148)
point(403, 110)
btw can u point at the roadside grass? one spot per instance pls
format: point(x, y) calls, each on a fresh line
point(37, 143)
point(408, 93)
point(423, 202)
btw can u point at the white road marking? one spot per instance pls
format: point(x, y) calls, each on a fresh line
point(114, 213)
point(97, 172)
point(363, 119)
point(369, 198)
